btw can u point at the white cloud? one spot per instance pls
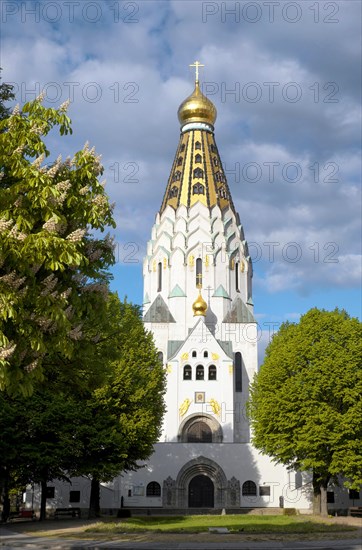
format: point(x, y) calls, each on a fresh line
point(148, 61)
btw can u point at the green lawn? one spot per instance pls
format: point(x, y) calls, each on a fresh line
point(198, 524)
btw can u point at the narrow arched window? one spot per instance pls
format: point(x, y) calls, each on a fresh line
point(238, 371)
point(182, 148)
point(206, 354)
point(198, 173)
point(179, 161)
point(199, 272)
point(197, 145)
point(159, 277)
point(194, 354)
point(237, 277)
point(198, 158)
point(187, 372)
point(199, 372)
point(222, 193)
point(249, 489)
point(173, 192)
point(212, 372)
point(198, 189)
point(153, 489)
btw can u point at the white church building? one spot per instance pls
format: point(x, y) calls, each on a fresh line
point(198, 304)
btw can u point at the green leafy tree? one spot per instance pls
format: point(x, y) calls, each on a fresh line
point(305, 403)
point(125, 413)
point(53, 269)
point(94, 415)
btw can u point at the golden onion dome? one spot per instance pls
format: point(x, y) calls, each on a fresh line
point(197, 108)
point(199, 306)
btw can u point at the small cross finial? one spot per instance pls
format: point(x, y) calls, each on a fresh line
point(197, 64)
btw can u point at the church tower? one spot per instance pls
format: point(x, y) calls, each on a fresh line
point(198, 305)
point(198, 288)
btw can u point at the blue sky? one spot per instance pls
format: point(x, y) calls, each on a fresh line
point(285, 78)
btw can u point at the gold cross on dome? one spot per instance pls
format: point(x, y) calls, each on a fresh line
point(197, 64)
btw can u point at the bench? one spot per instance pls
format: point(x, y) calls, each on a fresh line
point(355, 511)
point(73, 512)
point(22, 514)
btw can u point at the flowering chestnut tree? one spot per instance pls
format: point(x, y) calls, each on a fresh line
point(53, 258)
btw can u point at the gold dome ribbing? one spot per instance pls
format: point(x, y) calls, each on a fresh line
point(197, 108)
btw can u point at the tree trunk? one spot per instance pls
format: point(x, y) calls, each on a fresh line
point(316, 499)
point(43, 500)
point(5, 500)
point(324, 508)
point(94, 501)
point(320, 495)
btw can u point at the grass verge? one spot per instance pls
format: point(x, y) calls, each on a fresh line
point(199, 524)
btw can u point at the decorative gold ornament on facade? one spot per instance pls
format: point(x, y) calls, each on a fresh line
point(232, 264)
point(216, 408)
point(184, 356)
point(184, 407)
point(164, 263)
point(231, 369)
point(215, 356)
point(154, 265)
point(207, 260)
point(242, 267)
point(192, 261)
point(168, 368)
point(199, 306)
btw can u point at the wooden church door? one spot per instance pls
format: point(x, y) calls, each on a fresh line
point(201, 492)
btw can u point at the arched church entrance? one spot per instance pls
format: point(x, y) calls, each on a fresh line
point(200, 483)
point(201, 492)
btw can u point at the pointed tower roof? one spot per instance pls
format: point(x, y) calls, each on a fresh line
point(239, 313)
point(197, 174)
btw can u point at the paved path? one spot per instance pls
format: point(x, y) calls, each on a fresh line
point(10, 540)
point(18, 536)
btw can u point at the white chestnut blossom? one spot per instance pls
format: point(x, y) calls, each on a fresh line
point(75, 333)
point(77, 235)
point(64, 106)
point(63, 186)
point(31, 366)
point(5, 224)
point(38, 161)
point(68, 312)
point(54, 169)
point(7, 352)
point(49, 284)
point(66, 293)
point(13, 280)
point(51, 225)
point(41, 97)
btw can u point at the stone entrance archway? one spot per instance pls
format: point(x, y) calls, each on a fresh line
point(205, 467)
point(201, 492)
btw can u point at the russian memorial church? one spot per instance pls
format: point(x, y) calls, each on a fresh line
point(198, 304)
